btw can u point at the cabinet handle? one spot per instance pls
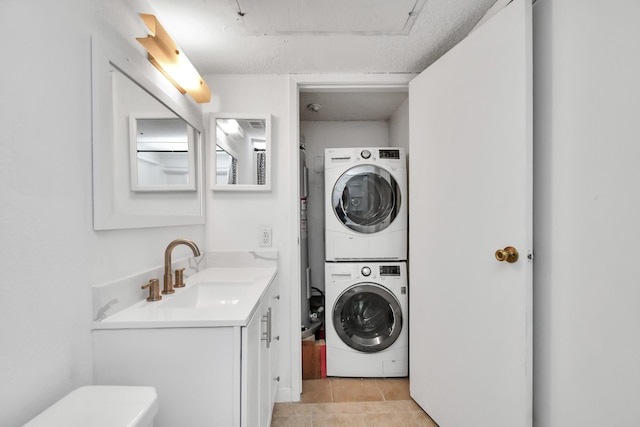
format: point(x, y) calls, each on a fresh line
point(277, 378)
point(277, 297)
point(267, 335)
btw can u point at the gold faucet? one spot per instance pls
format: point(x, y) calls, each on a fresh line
point(168, 278)
point(154, 290)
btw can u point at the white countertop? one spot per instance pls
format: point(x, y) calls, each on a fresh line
point(214, 297)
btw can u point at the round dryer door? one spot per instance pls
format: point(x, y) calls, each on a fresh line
point(366, 199)
point(367, 317)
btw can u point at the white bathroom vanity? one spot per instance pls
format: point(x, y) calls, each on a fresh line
point(210, 349)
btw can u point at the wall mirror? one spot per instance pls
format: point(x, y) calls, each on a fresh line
point(162, 153)
point(147, 154)
point(240, 154)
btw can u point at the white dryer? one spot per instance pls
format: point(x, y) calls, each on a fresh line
point(366, 329)
point(365, 204)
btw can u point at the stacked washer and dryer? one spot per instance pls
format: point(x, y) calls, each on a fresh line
point(366, 288)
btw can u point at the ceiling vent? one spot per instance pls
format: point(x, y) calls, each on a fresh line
point(364, 17)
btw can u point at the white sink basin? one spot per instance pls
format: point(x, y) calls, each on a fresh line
point(209, 295)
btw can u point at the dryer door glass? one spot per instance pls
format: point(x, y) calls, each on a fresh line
point(367, 317)
point(366, 199)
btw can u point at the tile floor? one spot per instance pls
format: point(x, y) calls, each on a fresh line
point(352, 402)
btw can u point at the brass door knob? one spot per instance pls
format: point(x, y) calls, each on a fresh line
point(509, 254)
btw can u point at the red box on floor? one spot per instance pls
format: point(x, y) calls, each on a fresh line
point(314, 359)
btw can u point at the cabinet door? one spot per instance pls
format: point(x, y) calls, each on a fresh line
point(251, 354)
point(201, 388)
point(275, 345)
point(259, 362)
point(265, 367)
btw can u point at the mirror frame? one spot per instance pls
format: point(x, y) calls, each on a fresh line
point(133, 143)
point(212, 143)
point(141, 210)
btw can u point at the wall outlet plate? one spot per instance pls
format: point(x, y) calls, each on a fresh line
point(265, 237)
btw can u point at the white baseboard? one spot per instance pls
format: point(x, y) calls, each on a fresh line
point(284, 395)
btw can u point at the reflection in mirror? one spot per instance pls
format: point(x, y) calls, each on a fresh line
point(162, 154)
point(241, 152)
point(226, 167)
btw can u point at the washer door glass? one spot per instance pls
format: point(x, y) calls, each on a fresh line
point(367, 317)
point(366, 199)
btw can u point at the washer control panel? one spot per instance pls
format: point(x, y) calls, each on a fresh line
point(390, 154)
point(371, 271)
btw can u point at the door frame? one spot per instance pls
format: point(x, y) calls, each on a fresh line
point(317, 83)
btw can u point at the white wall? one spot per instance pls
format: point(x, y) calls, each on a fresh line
point(50, 255)
point(587, 210)
point(399, 128)
point(318, 136)
point(234, 219)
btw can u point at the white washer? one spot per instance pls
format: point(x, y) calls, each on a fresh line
point(366, 323)
point(365, 204)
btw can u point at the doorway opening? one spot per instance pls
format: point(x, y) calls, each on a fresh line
point(332, 114)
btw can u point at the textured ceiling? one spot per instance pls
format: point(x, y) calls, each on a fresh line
point(350, 106)
point(312, 36)
point(316, 36)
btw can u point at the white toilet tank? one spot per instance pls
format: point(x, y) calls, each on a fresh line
point(101, 406)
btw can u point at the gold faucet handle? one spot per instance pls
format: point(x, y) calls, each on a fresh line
point(154, 290)
point(179, 278)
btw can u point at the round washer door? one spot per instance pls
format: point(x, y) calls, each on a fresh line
point(366, 199)
point(367, 317)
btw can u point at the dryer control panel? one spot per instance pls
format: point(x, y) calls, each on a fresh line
point(389, 270)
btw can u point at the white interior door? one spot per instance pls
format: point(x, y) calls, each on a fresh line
point(470, 181)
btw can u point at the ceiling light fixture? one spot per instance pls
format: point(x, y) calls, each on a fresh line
point(231, 128)
point(173, 63)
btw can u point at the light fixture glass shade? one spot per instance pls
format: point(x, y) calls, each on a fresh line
point(173, 63)
point(231, 128)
